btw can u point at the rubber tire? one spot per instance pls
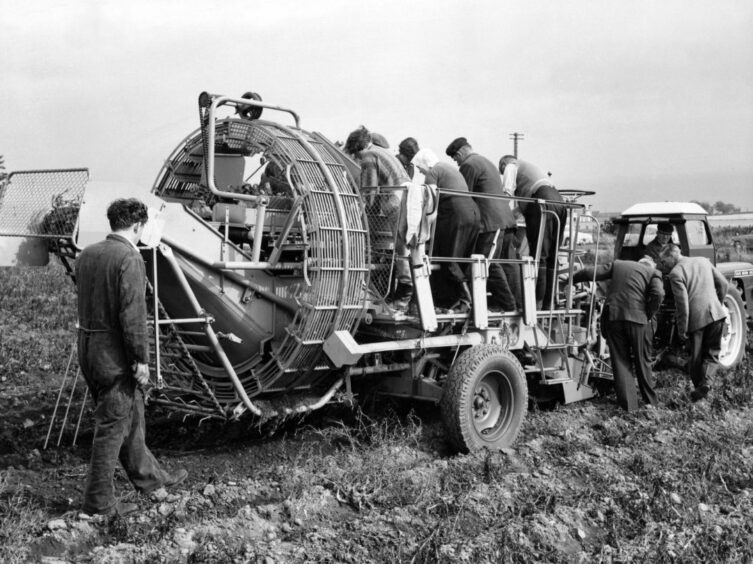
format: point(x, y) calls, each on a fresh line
point(735, 330)
point(469, 376)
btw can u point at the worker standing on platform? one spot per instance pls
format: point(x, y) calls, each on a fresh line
point(405, 152)
point(458, 223)
point(497, 223)
point(379, 167)
point(532, 182)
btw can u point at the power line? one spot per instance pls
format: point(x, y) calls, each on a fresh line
point(515, 138)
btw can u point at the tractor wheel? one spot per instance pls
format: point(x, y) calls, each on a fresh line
point(485, 399)
point(735, 330)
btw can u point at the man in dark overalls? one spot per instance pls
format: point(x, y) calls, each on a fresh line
point(113, 356)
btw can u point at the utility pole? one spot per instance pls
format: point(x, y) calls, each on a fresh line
point(515, 138)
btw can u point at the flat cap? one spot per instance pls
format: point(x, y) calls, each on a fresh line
point(665, 227)
point(379, 140)
point(456, 145)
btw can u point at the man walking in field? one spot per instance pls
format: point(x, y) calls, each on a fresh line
point(113, 356)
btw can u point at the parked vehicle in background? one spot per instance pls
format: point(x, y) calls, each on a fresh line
point(637, 226)
point(582, 237)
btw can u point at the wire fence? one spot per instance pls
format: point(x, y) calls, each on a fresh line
point(383, 223)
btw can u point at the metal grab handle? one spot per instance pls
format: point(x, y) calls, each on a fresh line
point(213, 101)
point(209, 331)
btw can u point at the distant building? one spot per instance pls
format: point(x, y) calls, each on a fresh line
point(732, 220)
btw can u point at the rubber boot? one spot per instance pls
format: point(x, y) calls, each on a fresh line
point(403, 291)
point(464, 302)
point(402, 296)
point(549, 291)
point(541, 304)
point(465, 293)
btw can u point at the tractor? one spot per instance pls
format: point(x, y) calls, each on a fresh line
point(637, 226)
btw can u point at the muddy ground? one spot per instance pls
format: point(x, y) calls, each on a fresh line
point(584, 482)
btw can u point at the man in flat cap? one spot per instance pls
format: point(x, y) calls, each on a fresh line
point(482, 178)
point(663, 236)
point(379, 140)
point(530, 181)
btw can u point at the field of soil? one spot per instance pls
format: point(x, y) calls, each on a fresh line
point(584, 483)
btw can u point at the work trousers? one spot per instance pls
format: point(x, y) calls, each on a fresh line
point(454, 237)
point(705, 346)
point(512, 271)
point(630, 344)
point(554, 227)
point(502, 295)
point(119, 435)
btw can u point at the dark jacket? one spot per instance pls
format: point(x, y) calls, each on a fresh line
point(483, 177)
point(457, 216)
point(699, 290)
point(635, 293)
point(111, 283)
point(446, 177)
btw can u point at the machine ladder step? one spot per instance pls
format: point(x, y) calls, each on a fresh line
point(198, 348)
point(539, 370)
point(553, 381)
point(176, 362)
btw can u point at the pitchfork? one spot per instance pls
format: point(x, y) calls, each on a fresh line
point(68, 405)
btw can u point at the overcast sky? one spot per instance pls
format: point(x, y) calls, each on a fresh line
point(637, 100)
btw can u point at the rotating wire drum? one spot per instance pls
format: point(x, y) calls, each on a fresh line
point(314, 230)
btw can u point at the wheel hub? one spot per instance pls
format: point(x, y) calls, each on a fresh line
point(487, 407)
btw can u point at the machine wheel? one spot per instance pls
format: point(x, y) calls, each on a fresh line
point(485, 399)
point(735, 330)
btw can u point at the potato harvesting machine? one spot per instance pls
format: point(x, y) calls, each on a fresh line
point(268, 270)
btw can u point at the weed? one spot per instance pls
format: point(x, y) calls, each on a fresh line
point(219, 549)
point(21, 520)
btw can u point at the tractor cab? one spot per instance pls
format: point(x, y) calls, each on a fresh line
point(637, 227)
